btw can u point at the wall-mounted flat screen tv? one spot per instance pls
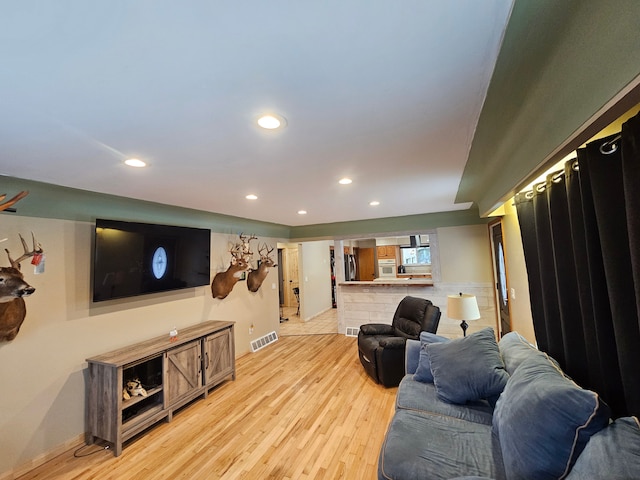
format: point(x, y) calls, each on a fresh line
point(133, 259)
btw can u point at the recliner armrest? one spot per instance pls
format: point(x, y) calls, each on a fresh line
point(393, 343)
point(377, 329)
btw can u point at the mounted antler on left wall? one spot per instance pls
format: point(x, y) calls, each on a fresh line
point(14, 200)
point(13, 289)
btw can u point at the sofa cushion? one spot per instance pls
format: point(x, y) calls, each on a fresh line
point(422, 398)
point(612, 453)
point(468, 368)
point(423, 372)
point(543, 420)
point(437, 447)
point(515, 349)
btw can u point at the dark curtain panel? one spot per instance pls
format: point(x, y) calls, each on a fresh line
point(529, 241)
point(581, 239)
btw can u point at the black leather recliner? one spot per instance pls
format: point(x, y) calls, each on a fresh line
point(381, 346)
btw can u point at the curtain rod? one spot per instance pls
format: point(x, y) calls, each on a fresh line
point(607, 148)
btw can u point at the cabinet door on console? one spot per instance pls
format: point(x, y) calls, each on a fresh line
point(183, 372)
point(218, 356)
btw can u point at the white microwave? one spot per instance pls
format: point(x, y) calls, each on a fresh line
point(386, 268)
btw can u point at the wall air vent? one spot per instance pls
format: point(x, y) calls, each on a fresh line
point(262, 342)
point(352, 331)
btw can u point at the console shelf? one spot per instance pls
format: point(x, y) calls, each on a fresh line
point(172, 373)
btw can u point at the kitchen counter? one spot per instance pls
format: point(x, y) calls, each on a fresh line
point(396, 282)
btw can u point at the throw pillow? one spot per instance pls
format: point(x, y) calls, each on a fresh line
point(423, 372)
point(543, 421)
point(612, 453)
point(468, 368)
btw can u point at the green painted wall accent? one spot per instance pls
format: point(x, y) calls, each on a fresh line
point(560, 63)
point(407, 223)
point(53, 201)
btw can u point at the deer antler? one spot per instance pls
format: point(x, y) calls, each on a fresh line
point(10, 203)
point(265, 248)
point(37, 249)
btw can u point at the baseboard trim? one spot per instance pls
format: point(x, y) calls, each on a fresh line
point(16, 472)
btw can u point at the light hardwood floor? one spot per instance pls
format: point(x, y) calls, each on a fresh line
point(326, 322)
point(301, 408)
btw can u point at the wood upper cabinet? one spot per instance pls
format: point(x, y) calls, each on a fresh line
point(184, 374)
point(387, 251)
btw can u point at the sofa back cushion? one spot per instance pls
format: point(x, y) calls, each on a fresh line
point(468, 368)
point(612, 453)
point(423, 371)
point(515, 349)
point(543, 420)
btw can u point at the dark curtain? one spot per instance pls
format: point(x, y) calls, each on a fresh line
point(581, 237)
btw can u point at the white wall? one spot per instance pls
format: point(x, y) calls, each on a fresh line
point(315, 278)
point(465, 254)
point(42, 405)
point(520, 304)
point(465, 266)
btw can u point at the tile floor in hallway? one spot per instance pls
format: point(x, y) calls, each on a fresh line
point(326, 322)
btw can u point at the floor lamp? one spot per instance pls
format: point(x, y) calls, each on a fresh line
point(463, 307)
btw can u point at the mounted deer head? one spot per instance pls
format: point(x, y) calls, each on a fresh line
point(224, 282)
point(245, 247)
point(256, 277)
point(13, 289)
point(14, 200)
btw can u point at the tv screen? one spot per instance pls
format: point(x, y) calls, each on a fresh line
point(133, 259)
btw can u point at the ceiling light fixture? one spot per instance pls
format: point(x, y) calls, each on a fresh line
point(134, 162)
point(251, 196)
point(345, 181)
point(272, 121)
point(375, 203)
point(302, 212)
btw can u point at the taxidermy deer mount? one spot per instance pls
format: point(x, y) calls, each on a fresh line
point(10, 203)
point(256, 277)
point(13, 289)
point(241, 254)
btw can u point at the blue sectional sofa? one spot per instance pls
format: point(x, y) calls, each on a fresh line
point(475, 408)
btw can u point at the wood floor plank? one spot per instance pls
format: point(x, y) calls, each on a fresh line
point(302, 408)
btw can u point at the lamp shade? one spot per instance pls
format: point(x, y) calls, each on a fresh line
point(462, 307)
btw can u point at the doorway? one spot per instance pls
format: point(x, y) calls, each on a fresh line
point(306, 266)
point(288, 274)
point(500, 276)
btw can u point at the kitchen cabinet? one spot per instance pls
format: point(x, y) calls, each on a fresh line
point(172, 373)
point(387, 251)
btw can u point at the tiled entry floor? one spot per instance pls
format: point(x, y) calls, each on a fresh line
point(326, 322)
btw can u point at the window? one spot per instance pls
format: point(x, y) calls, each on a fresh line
point(416, 255)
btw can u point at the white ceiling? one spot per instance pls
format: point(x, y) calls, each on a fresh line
point(385, 92)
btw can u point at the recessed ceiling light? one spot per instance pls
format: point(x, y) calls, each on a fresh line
point(302, 212)
point(251, 196)
point(375, 203)
point(134, 162)
point(345, 181)
point(272, 121)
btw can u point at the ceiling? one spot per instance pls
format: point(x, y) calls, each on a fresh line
point(385, 93)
